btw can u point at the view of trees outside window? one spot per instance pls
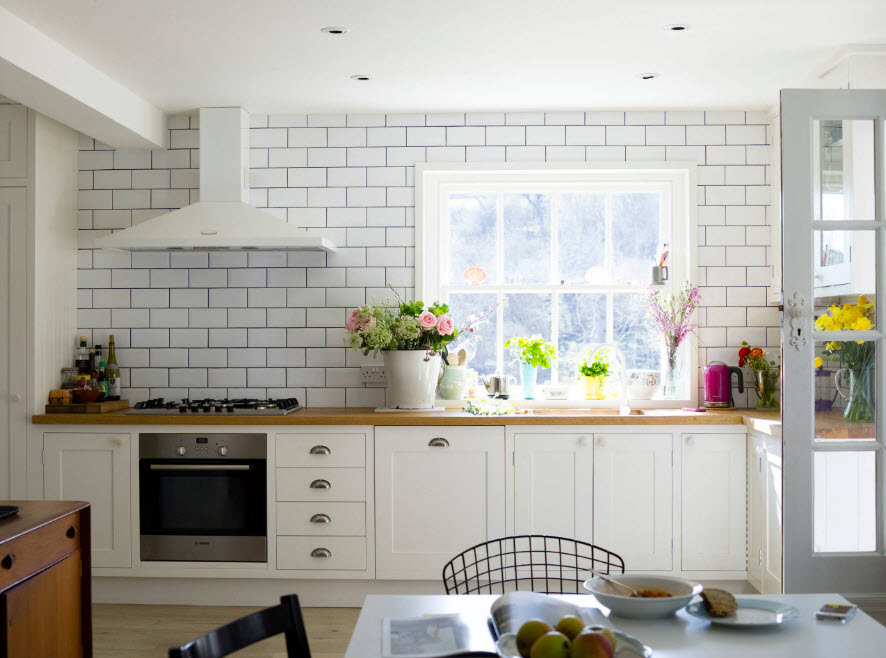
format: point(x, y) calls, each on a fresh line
point(573, 266)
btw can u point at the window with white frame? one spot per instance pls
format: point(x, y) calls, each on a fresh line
point(571, 249)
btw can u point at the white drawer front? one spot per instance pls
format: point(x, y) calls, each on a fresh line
point(347, 553)
point(311, 450)
point(307, 484)
point(344, 519)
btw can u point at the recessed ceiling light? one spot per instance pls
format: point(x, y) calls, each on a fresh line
point(649, 76)
point(677, 27)
point(361, 77)
point(335, 30)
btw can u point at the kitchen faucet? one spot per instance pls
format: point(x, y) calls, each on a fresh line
point(624, 407)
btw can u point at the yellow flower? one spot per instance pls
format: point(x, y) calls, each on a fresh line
point(818, 362)
point(824, 323)
point(862, 324)
point(833, 347)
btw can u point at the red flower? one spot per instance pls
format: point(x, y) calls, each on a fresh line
point(742, 355)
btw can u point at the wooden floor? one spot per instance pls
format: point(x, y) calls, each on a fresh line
point(148, 631)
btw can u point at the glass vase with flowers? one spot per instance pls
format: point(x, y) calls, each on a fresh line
point(766, 375)
point(672, 316)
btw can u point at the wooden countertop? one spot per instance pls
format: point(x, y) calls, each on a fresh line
point(367, 416)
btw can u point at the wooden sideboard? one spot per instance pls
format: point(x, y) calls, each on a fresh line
point(45, 581)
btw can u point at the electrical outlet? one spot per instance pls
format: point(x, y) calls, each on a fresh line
point(373, 375)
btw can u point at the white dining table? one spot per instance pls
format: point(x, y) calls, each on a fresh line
point(680, 636)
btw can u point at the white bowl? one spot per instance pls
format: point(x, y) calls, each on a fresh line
point(642, 384)
point(625, 605)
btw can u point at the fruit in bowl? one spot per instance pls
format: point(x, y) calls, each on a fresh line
point(572, 639)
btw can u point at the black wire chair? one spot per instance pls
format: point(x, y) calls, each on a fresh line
point(537, 563)
point(283, 618)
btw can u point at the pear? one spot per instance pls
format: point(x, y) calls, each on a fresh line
point(550, 645)
point(529, 632)
point(570, 626)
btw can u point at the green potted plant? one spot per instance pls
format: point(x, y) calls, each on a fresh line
point(533, 353)
point(594, 376)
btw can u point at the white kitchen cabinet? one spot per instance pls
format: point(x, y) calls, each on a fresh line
point(764, 513)
point(439, 491)
point(713, 495)
point(633, 499)
point(13, 141)
point(554, 486)
point(94, 468)
point(756, 509)
point(772, 553)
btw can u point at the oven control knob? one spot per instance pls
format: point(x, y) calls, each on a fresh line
point(181, 451)
point(223, 450)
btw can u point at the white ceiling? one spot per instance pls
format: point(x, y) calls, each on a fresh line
point(474, 55)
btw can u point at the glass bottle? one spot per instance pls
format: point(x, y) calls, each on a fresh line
point(112, 371)
point(102, 378)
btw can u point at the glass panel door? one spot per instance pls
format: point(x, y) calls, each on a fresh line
point(834, 231)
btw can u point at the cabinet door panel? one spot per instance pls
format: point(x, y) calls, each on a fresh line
point(13, 141)
point(756, 509)
point(633, 508)
point(774, 523)
point(434, 501)
point(553, 492)
point(94, 468)
point(714, 509)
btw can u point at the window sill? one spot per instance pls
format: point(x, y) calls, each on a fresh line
point(608, 404)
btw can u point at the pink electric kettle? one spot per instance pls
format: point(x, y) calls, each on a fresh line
point(718, 384)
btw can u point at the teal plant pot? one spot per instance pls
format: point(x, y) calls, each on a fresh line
point(528, 377)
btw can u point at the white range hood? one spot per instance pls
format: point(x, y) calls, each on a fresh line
point(222, 219)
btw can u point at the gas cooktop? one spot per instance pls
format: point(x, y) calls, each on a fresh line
point(210, 407)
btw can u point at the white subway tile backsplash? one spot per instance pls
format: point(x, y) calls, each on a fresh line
point(271, 337)
point(625, 135)
point(545, 135)
point(328, 120)
point(248, 357)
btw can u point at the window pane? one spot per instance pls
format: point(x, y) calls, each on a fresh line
point(635, 235)
point(845, 501)
point(582, 324)
point(632, 333)
point(465, 307)
point(471, 237)
point(845, 390)
point(844, 169)
point(845, 266)
point(581, 237)
point(527, 238)
point(526, 314)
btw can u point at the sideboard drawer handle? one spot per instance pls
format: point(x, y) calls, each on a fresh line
point(321, 484)
point(438, 442)
point(321, 552)
point(321, 518)
point(320, 450)
point(71, 532)
point(7, 561)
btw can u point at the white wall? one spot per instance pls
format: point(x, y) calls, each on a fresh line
point(251, 324)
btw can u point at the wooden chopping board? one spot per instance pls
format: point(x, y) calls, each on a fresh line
point(91, 408)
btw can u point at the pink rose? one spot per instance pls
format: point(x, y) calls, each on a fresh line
point(445, 325)
point(427, 320)
point(353, 323)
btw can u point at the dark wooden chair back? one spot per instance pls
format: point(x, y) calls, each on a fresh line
point(284, 618)
point(536, 563)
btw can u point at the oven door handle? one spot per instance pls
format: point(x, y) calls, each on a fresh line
point(200, 467)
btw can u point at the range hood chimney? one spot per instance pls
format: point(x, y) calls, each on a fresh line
point(223, 219)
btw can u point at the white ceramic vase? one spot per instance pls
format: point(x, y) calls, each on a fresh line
point(412, 378)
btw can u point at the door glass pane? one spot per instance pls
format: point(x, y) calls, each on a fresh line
point(465, 307)
point(472, 252)
point(640, 342)
point(527, 238)
point(845, 267)
point(527, 314)
point(582, 324)
point(845, 389)
point(844, 169)
point(636, 219)
point(581, 237)
point(845, 501)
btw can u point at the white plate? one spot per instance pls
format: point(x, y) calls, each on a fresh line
point(750, 613)
point(626, 646)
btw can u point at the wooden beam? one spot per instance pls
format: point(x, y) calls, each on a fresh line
point(44, 75)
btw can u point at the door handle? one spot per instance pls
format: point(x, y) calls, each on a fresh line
point(321, 484)
point(321, 552)
point(71, 532)
point(320, 450)
point(601, 442)
point(438, 442)
point(321, 518)
point(690, 441)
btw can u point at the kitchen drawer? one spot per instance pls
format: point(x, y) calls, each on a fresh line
point(312, 450)
point(347, 553)
point(344, 519)
point(27, 554)
point(295, 484)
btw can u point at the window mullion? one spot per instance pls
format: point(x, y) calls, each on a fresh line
point(555, 278)
point(500, 278)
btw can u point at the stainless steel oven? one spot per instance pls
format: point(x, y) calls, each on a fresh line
point(203, 497)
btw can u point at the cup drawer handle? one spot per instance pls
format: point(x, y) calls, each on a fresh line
point(320, 450)
point(321, 552)
point(438, 442)
point(321, 518)
point(321, 484)
point(71, 532)
point(7, 561)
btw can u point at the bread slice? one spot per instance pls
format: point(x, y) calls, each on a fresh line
point(719, 602)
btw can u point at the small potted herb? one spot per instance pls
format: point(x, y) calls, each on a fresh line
point(594, 376)
point(533, 353)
